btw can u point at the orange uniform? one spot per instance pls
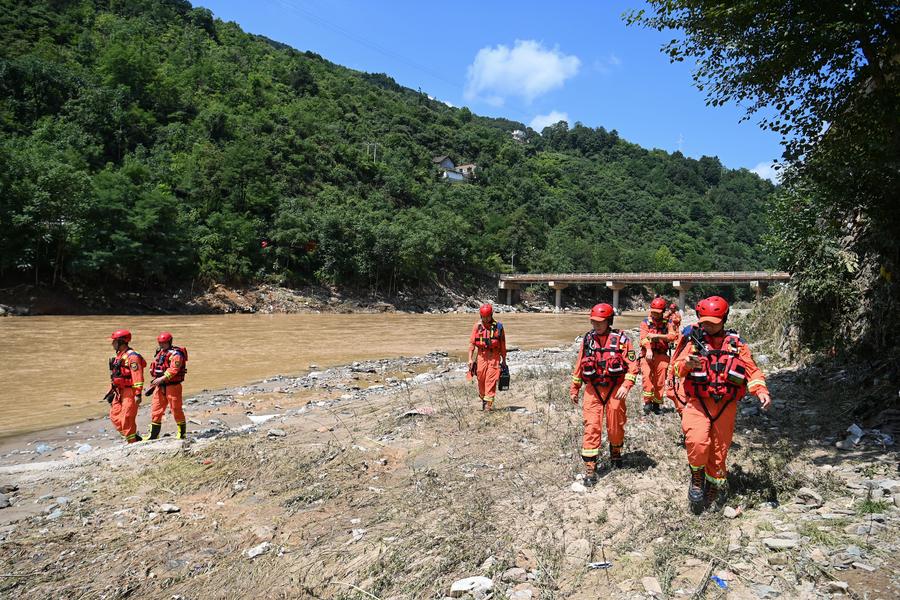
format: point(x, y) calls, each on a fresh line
point(605, 362)
point(126, 371)
point(672, 386)
point(171, 365)
point(491, 345)
point(711, 394)
point(655, 356)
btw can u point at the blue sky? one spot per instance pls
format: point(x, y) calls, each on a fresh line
point(529, 61)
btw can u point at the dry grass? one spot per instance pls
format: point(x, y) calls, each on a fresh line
point(436, 495)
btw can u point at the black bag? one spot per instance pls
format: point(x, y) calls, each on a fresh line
point(503, 384)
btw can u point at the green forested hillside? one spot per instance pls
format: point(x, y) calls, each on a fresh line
point(146, 143)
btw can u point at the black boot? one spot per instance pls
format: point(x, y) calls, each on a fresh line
point(695, 491)
point(615, 456)
point(654, 408)
point(709, 498)
point(182, 430)
point(154, 430)
point(590, 473)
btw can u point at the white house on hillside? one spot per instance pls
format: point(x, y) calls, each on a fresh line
point(449, 170)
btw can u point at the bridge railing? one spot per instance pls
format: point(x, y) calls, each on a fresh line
point(661, 276)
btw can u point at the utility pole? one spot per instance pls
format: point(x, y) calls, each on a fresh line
point(374, 146)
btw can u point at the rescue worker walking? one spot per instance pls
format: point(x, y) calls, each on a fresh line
point(673, 315)
point(657, 333)
point(607, 363)
point(126, 374)
point(168, 370)
point(489, 340)
point(715, 369)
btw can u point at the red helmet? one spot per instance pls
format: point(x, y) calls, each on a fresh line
point(486, 310)
point(658, 304)
point(164, 337)
point(712, 310)
point(601, 312)
point(121, 334)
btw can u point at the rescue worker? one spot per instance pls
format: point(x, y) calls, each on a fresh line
point(126, 373)
point(715, 369)
point(607, 363)
point(674, 315)
point(656, 335)
point(489, 340)
point(168, 369)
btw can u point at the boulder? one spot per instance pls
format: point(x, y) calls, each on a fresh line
point(780, 544)
point(514, 575)
point(477, 586)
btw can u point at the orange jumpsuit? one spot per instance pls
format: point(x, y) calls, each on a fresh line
point(653, 370)
point(127, 375)
point(708, 425)
point(599, 396)
point(671, 388)
point(491, 345)
point(169, 364)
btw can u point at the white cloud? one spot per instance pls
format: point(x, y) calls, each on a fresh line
point(539, 122)
point(528, 69)
point(767, 170)
point(607, 64)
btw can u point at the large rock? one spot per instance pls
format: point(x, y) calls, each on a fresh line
point(810, 497)
point(258, 550)
point(514, 575)
point(780, 544)
point(578, 553)
point(652, 587)
point(477, 586)
point(4, 501)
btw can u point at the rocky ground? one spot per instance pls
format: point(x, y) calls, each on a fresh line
point(382, 480)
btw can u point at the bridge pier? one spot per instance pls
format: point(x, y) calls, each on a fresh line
point(616, 288)
point(511, 291)
point(760, 288)
point(558, 287)
point(682, 287)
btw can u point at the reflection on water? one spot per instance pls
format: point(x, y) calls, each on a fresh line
point(53, 369)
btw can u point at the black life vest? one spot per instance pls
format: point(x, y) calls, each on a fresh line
point(163, 359)
point(722, 375)
point(487, 339)
point(120, 369)
point(604, 364)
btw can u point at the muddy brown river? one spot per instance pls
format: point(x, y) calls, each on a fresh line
point(53, 370)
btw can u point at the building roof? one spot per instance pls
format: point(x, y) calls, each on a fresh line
point(439, 159)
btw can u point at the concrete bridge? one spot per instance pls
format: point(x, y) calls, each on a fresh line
point(681, 281)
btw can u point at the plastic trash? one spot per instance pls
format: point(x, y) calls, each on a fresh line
point(43, 448)
point(599, 565)
point(719, 582)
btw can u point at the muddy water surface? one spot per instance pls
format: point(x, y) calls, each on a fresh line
point(53, 369)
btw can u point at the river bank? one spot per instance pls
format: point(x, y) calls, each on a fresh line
point(383, 476)
point(25, 300)
point(435, 298)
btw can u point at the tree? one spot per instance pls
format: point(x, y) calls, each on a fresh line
point(826, 76)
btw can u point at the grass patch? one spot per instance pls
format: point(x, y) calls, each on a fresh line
point(869, 507)
point(819, 536)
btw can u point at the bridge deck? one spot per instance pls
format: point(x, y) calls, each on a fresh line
point(661, 277)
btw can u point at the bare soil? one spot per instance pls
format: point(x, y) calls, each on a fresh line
point(402, 486)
